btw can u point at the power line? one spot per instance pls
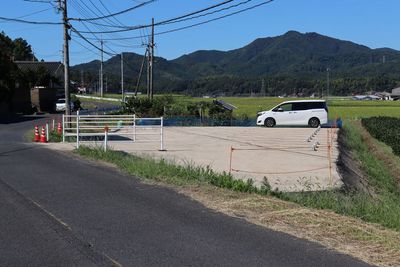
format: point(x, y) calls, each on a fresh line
point(115, 14)
point(175, 20)
point(89, 42)
point(215, 19)
point(168, 21)
point(109, 12)
point(34, 13)
point(196, 24)
point(81, 10)
point(30, 22)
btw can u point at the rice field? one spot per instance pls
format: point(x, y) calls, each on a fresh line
point(338, 106)
point(343, 108)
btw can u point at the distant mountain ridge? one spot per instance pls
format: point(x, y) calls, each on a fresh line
point(293, 54)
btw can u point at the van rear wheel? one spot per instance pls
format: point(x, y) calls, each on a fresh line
point(269, 122)
point(314, 122)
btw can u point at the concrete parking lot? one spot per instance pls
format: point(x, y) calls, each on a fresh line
point(282, 155)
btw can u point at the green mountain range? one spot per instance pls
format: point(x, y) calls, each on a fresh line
point(290, 63)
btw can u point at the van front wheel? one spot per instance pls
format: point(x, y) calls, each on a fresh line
point(269, 122)
point(314, 122)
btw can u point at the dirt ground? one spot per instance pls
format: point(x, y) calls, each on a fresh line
point(283, 155)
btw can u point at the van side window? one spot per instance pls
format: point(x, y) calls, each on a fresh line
point(287, 107)
point(301, 106)
point(318, 105)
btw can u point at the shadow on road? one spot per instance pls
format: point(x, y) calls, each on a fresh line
point(18, 118)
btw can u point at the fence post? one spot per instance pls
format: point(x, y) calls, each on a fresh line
point(134, 127)
point(329, 148)
point(230, 160)
point(63, 128)
point(162, 134)
point(77, 129)
point(105, 138)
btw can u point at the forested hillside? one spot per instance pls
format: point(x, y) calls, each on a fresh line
point(286, 64)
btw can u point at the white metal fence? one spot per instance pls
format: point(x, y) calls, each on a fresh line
point(127, 126)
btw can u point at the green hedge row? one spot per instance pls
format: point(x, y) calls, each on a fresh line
point(385, 129)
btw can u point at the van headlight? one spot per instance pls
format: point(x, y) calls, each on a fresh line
point(260, 113)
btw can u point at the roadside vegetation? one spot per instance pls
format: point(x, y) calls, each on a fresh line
point(247, 107)
point(167, 172)
point(337, 219)
point(385, 129)
point(380, 202)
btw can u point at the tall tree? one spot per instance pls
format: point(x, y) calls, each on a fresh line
point(22, 50)
point(8, 70)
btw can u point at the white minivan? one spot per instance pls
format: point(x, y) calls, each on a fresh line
point(310, 113)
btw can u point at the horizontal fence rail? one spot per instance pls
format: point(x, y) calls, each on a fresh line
point(127, 126)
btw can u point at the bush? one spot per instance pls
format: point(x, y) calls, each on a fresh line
point(385, 129)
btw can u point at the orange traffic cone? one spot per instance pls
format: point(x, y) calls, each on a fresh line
point(43, 136)
point(37, 136)
point(59, 128)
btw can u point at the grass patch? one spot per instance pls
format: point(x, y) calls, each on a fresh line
point(383, 208)
point(54, 137)
point(166, 172)
point(369, 242)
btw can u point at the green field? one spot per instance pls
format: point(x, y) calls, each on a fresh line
point(338, 107)
point(345, 109)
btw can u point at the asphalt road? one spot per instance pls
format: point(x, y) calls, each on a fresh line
point(57, 210)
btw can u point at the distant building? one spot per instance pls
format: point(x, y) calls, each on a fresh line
point(384, 95)
point(366, 97)
point(42, 97)
point(396, 93)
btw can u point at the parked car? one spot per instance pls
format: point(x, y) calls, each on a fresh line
point(310, 113)
point(61, 106)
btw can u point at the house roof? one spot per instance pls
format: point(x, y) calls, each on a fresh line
point(396, 91)
point(55, 68)
point(225, 105)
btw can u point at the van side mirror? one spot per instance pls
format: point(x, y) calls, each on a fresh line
point(279, 109)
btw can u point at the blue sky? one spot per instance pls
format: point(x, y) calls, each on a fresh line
point(373, 23)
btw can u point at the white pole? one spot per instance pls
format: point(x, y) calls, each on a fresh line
point(134, 127)
point(63, 128)
point(53, 125)
point(162, 134)
point(47, 132)
point(77, 129)
point(105, 139)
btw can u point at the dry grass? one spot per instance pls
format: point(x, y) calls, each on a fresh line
point(368, 242)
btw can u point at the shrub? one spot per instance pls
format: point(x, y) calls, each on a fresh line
point(385, 129)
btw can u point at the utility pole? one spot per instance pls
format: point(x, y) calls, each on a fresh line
point(327, 82)
point(66, 58)
point(106, 83)
point(148, 71)
point(140, 73)
point(150, 63)
point(122, 77)
point(152, 60)
point(101, 69)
